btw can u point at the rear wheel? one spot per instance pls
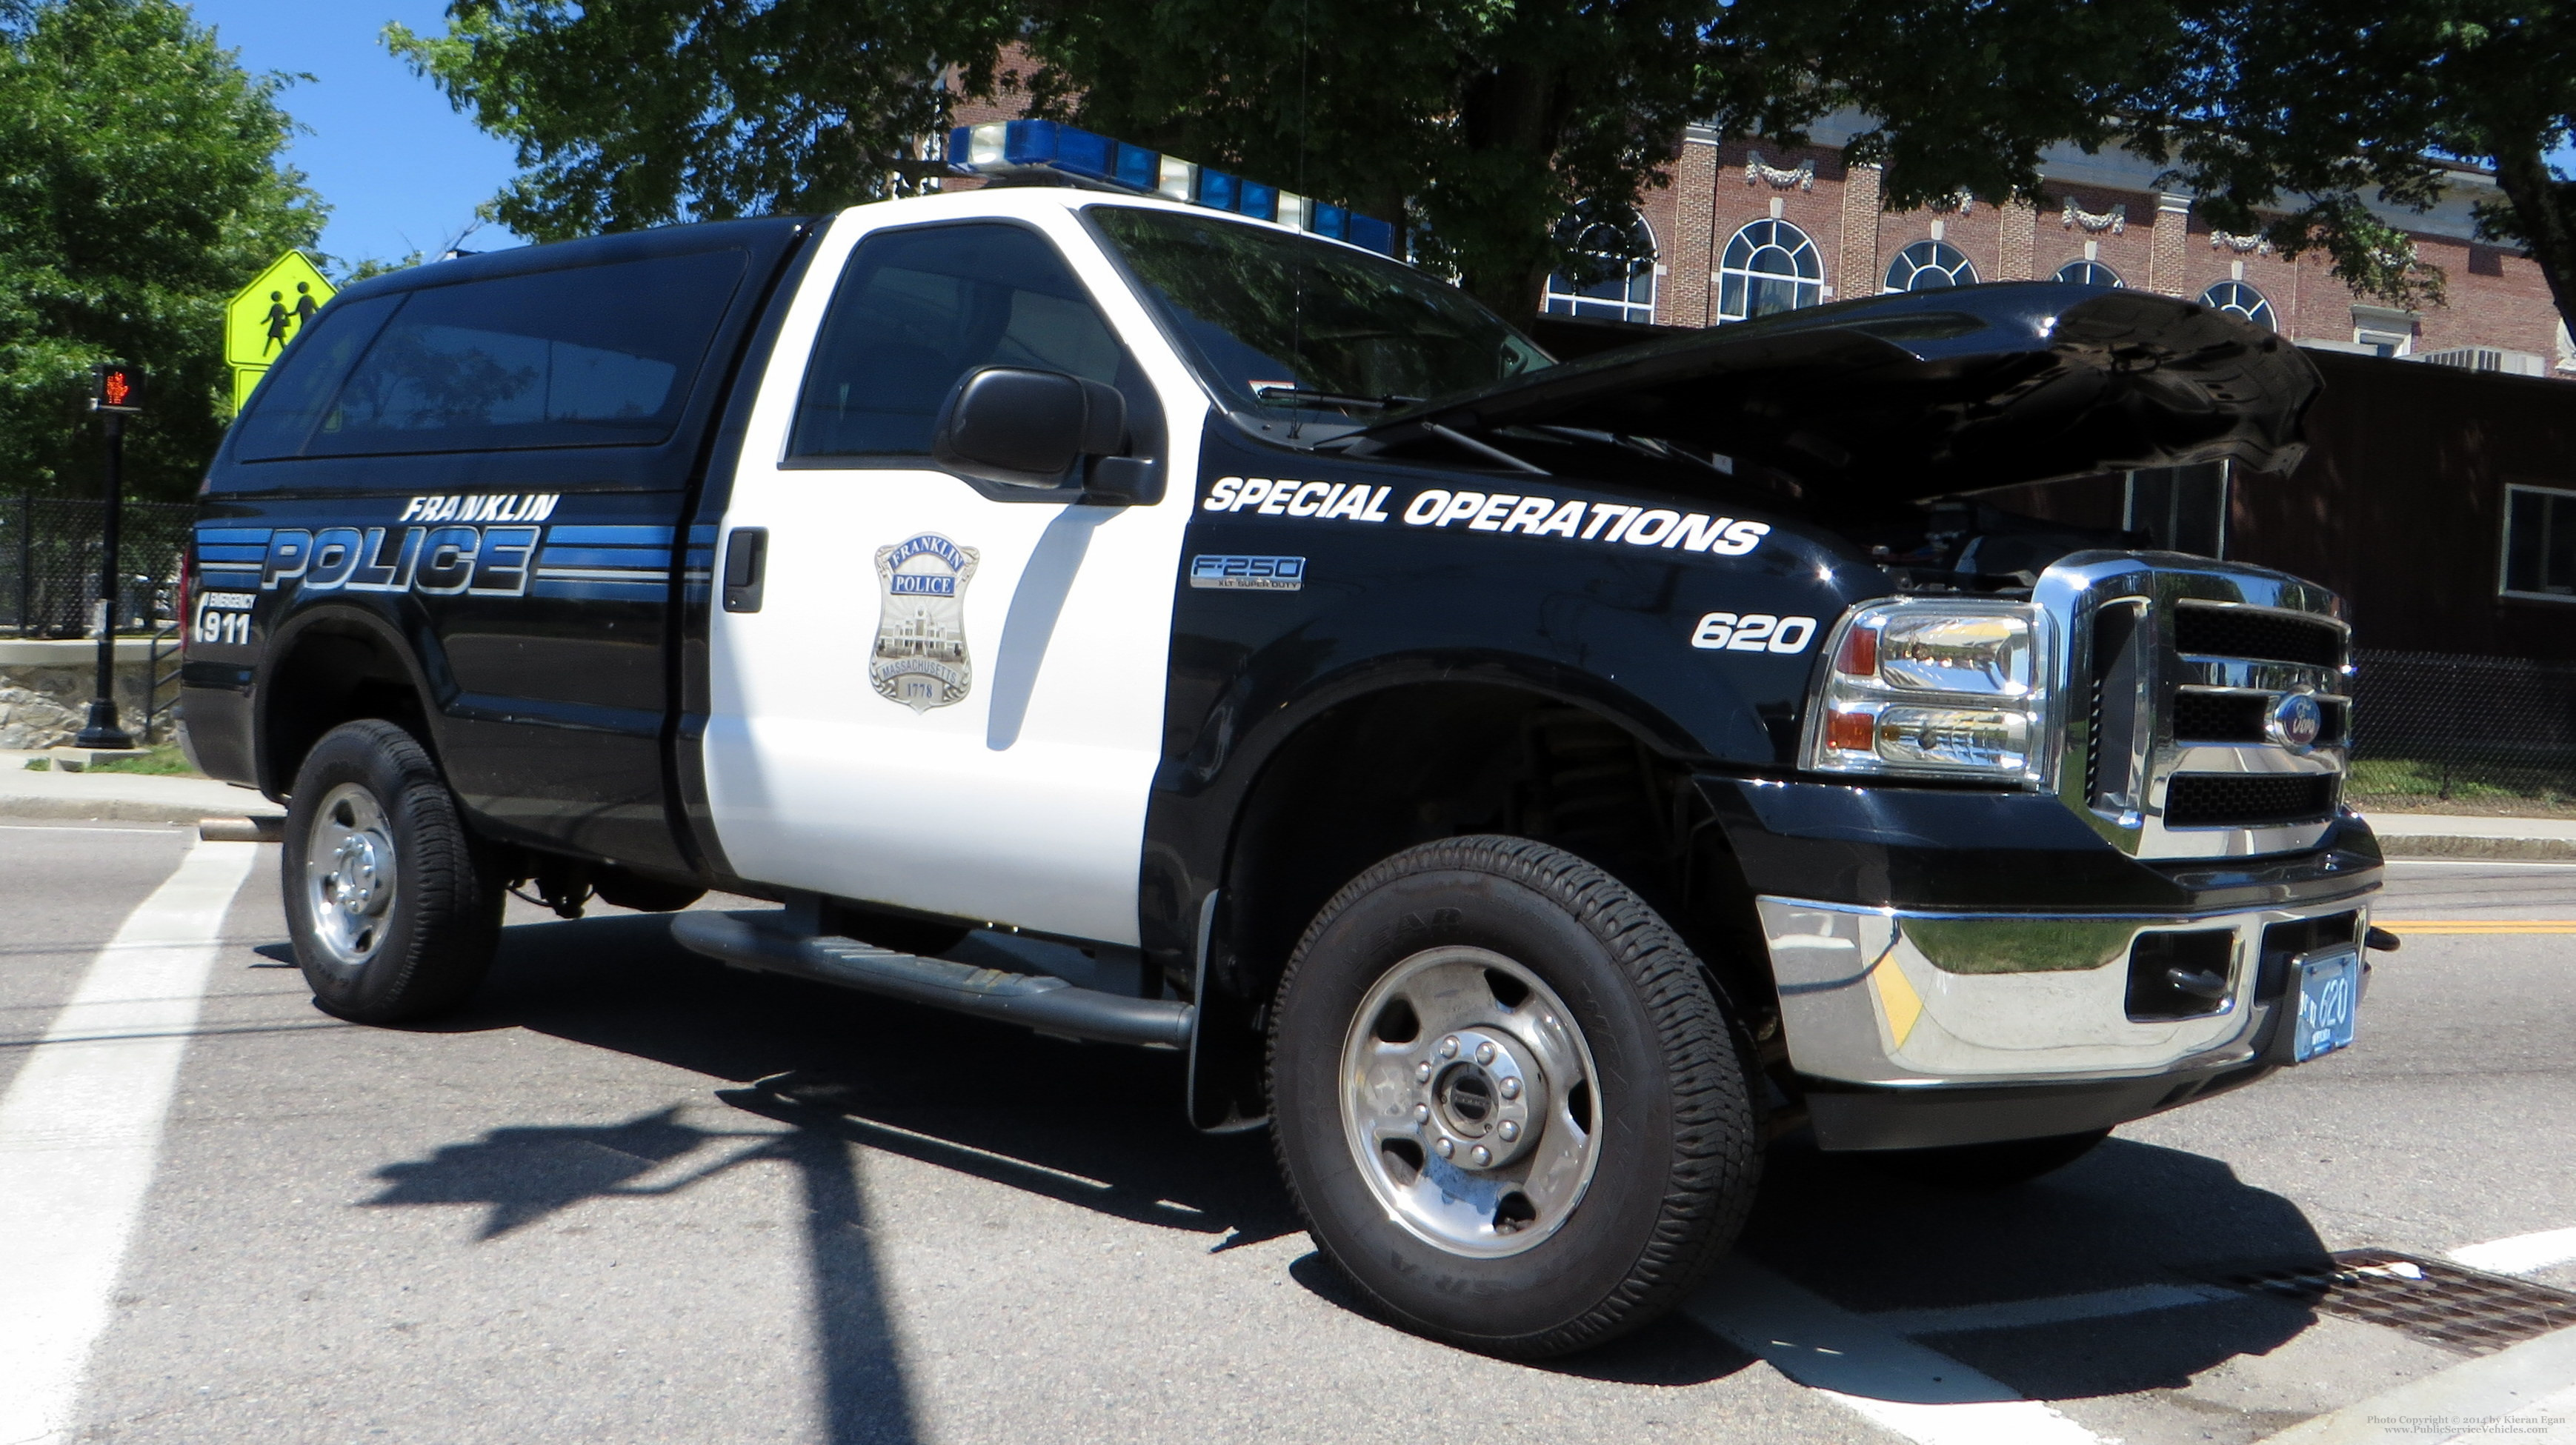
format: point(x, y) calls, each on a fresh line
point(1506, 1100)
point(393, 908)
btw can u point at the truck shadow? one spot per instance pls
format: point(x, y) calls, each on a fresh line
point(816, 1070)
point(1088, 1124)
point(2104, 1278)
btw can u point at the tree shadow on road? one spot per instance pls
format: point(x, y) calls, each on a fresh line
point(527, 1172)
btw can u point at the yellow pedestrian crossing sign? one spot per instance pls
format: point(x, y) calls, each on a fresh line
point(266, 314)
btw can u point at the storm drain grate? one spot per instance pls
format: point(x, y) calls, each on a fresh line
point(2427, 1298)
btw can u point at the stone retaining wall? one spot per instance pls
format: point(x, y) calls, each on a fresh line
point(43, 705)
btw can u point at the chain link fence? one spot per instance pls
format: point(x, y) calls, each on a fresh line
point(49, 560)
point(2438, 727)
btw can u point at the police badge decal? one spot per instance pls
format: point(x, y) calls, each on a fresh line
point(920, 658)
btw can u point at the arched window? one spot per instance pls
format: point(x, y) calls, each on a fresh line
point(1929, 266)
point(1623, 260)
point(2238, 299)
point(2089, 273)
point(1769, 266)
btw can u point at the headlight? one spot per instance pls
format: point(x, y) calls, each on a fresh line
point(1947, 689)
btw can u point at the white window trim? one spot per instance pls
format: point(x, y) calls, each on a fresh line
point(1652, 305)
point(2504, 544)
point(1824, 292)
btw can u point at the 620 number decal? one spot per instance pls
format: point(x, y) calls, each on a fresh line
point(1753, 632)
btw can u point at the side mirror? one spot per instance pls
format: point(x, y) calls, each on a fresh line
point(1028, 428)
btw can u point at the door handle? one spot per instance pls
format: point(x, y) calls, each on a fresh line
point(746, 559)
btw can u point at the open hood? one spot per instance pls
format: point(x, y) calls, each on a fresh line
point(1928, 393)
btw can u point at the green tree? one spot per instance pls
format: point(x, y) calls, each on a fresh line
point(1482, 124)
point(139, 188)
point(2293, 117)
point(630, 113)
point(1478, 124)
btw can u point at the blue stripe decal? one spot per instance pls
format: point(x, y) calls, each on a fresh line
point(209, 573)
point(702, 534)
point(658, 559)
point(612, 536)
point(599, 591)
point(210, 555)
point(233, 534)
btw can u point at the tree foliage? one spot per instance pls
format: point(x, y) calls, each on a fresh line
point(2293, 117)
point(1481, 124)
point(139, 189)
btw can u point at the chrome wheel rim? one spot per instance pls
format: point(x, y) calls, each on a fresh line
point(350, 876)
point(1470, 1102)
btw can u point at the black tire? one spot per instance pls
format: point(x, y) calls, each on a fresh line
point(423, 946)
point(1674, 1142)
point(1986, 1168)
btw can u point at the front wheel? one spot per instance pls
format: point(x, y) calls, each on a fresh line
point(1506, 1100)
point(394, 910)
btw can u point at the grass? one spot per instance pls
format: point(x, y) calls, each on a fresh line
point(2506, 789)
point(164, 761)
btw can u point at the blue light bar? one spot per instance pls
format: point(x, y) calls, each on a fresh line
point(1022, 147)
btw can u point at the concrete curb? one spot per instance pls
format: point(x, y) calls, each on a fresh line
point(2441, 845)
point(2455, 835)
point(126, 810)
point(2532, 1385)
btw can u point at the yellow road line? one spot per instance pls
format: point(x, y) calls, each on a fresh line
point(2403, 926)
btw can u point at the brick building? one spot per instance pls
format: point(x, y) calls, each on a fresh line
point(1749, 226)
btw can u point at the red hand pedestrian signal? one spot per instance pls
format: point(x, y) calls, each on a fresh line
point(116, 387)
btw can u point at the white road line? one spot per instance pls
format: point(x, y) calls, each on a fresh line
point(2056, 1310)
point(80, 1131)
point(2521, 1254)
point(1880, 1375)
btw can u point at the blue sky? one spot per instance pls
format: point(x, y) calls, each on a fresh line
point(400, 169)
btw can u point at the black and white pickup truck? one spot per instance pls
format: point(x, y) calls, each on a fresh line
point(1528, 788)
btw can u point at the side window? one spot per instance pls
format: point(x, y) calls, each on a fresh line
point(916, 310)
point(584, 356)
point(291, 400)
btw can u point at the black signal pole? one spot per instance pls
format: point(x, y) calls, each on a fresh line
point(118, 392)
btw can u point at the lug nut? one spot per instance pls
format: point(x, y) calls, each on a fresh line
point(1446, 1148)
point(1449, 1047)
point(1423, 1072)
point(1484, 1053)
point(1422, 1113)
point(1511, 1088)
point(1510, 1131)
point(1482, 1155)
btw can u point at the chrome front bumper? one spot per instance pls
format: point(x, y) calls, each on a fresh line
point(1915, 1000)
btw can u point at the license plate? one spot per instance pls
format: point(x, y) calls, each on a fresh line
point(2329, 991)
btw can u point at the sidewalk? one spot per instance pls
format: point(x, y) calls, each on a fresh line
point(2443, 835)
point(125, 797)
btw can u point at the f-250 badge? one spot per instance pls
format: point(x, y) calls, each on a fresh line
point(920, 658)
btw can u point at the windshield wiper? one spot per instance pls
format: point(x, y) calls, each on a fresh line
point(1299, 394)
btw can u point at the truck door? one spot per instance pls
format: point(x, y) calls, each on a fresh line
point(950, 696)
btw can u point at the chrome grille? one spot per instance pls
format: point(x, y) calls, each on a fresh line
point(2204, 629)
point(2173, 666)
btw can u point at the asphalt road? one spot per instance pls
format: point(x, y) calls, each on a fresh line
point(630, 1196)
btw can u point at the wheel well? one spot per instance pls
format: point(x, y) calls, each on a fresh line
point(1407, 765)
point(335, 672)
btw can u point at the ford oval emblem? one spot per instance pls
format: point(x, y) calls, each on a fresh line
point(2294, 721)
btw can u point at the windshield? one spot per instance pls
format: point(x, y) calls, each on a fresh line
point(1282, 323)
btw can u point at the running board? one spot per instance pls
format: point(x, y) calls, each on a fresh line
point(763, 941)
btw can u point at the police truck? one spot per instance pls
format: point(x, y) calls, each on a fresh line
point(1126, 602)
